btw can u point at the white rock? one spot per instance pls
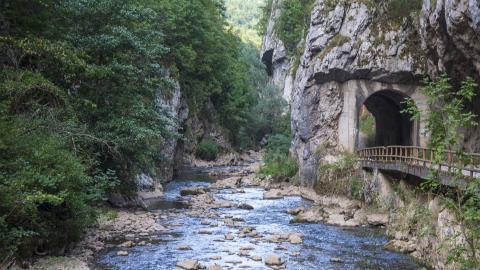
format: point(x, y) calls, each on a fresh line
point(273, 259)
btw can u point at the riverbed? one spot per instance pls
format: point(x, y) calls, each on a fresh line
point(323, 246)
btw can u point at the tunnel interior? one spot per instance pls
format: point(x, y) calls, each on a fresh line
point(267, 60)
point(390, 125)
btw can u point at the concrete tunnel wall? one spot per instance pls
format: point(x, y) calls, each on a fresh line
point(383, 101)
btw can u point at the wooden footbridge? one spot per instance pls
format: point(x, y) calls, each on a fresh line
point(419, 162)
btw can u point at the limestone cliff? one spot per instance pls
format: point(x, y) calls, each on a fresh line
point(353, 49)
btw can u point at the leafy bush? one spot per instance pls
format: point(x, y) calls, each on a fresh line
point(277, 161)
point(46, 193)
point(448, 116)
point(207, 150)
point(340, 177)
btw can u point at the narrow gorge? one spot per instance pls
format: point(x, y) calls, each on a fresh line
point(239, 134)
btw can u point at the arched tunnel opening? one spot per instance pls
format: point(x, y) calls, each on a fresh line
point(267, 60)
point(382, 122)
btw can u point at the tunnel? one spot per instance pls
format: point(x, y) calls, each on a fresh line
point(267, 60)
point(390, 125)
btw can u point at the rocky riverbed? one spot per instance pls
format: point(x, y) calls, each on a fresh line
point(243, 222)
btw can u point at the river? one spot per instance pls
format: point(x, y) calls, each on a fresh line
point(323, 247)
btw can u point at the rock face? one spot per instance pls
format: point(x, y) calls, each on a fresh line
point(275, 57)
point(352, 51)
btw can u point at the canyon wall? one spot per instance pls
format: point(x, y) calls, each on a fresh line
point(352, 50)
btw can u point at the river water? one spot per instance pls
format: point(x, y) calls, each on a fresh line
point(324, 246)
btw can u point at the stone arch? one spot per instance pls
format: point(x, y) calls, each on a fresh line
point(392, 127)
point(383, 100)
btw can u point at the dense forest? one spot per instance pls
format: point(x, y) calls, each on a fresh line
point(243, 16)
point(79, 81)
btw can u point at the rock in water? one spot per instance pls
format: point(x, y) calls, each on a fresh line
point(273, 260)
point(214, 267)
point(336, 260)
point(189, 265)
point(256, 258)
point(193, 191)
point(295, 238)
point(245, 206)
point(184, 247)
point(122, 253)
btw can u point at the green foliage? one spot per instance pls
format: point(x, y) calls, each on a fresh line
point(243, 16)
point(293, 22)
point(46, 192)
point(340, 177)
point(367, 123)
point(266, 114)
point(277, 161)
point(447, 117)
point(207, 150)
point(265, 12)
point(79, 113)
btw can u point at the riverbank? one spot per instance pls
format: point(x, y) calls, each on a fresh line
point(218, 211)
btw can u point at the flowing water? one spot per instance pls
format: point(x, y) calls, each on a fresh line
point(352, 248)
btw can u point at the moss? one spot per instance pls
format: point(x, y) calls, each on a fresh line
point(336, 41)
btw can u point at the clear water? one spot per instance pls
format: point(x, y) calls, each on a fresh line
point(358, 248)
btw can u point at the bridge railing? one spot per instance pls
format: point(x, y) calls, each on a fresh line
point(423, 157)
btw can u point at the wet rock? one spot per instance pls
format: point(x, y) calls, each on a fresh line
point(295, 238)
point(256, 258)
point(189, 265)
point(215, 258)
point(130, 237)
point(295, 254)
point(214, 267)
point(193, 191)
point(244, 253)
point(310, 215)
point(184, 247)
point(245, 206)
point(273, 260)
point(205, 222)
point(204, 232)
point(377, 219)
point(122, 253)
point(127, 244)
point(272, 194)
point(336, 260)
point(229, 236)
point(296, 211)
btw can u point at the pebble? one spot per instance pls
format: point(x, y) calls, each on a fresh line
point(122, 253)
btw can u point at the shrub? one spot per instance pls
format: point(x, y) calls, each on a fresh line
point(280, 167)
point(340, 177)
point(46, 194)
point(277, 161)
point(207, 150)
